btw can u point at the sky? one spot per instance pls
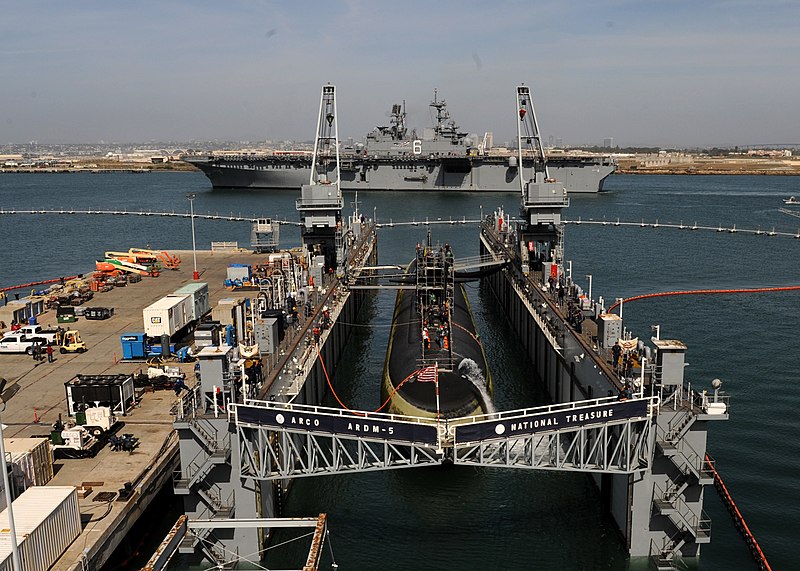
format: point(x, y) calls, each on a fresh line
point(669, 73)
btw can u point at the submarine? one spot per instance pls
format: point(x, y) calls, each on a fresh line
point(435, 363)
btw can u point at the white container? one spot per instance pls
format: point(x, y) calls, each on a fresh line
point(200, 301)
point(168, 315)
point(47, 520)
point(238, 272)
point(32, 460)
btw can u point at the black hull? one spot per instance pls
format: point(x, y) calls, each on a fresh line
point(458, 396)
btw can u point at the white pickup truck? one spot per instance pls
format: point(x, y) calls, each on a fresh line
point(30, 331)
point(18, 343)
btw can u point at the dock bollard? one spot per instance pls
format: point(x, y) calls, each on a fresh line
point(35, 416)
point(115, 357)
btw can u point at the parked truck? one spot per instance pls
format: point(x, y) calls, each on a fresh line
point(31, 331)
point(18, 343)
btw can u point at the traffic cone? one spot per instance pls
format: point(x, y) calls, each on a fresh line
point(35, 416)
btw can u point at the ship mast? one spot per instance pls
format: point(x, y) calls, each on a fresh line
point(320, 203)
point(541, 231)
point(441, 113)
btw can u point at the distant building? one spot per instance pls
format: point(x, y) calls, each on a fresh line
point(771, 153)
point(608, 142)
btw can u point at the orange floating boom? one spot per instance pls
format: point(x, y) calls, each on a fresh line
point(705, 292)
point(738, 520)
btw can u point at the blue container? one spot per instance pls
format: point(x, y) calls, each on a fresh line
point(134, 346)
point(32, 320)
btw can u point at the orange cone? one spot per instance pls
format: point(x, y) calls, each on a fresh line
point(35, 416)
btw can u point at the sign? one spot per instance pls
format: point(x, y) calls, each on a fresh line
point(346, 424)
point(551, 421)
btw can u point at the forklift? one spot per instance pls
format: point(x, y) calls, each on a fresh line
point(71, 342)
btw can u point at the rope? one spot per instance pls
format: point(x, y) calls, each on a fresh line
point(705, 292)
point(344, 406)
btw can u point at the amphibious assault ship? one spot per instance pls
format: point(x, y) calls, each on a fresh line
point(391, 158)
point(435, 365)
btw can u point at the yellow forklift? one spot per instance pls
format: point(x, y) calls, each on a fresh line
point(71, 342)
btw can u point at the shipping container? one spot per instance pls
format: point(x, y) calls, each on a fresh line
point(168, 315)
point(47, 520)
point(32, 461)
point(200, 301)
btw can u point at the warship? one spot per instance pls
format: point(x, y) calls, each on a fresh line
point(443, 159)
point(435, 364)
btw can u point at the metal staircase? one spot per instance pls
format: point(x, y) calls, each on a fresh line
point(690, 470)
point(213, 450)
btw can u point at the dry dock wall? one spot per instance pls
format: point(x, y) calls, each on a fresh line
point(210, 452)
point(562, 363)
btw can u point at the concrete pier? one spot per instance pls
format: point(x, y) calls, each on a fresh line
point(39, 393)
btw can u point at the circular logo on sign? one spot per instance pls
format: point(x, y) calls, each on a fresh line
point(500, 428)
point(279, 418)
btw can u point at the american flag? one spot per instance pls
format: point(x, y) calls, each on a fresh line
point(427, 375)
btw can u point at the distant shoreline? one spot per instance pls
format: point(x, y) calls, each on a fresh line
point(706, 172)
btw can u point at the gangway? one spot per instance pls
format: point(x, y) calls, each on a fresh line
point(286, 440)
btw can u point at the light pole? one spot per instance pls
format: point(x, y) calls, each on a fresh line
point(15, 560)
point(589, 276)
point(191, 196)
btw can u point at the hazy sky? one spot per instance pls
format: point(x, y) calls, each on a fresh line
point(669, 73)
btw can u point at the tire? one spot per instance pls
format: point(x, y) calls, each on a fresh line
point(63, 351)
point(28, 351)
point(96, 431)
point(82, 350)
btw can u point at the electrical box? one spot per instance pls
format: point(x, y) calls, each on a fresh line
point(670, 360)
point(267, 335)
point(215, 367)
point(206, 334)
point(239, 272)
point(609, 329)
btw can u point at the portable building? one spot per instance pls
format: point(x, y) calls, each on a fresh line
point(168, 315)
point(198, 291)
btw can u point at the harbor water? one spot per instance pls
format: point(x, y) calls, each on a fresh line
point(468, 518)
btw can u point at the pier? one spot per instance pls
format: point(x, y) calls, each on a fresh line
point(35, 398)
